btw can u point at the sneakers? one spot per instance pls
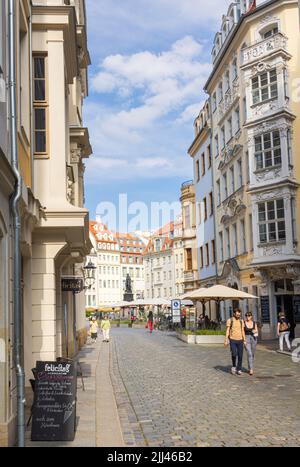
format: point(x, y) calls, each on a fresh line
point(233, 370)
point(239, 372)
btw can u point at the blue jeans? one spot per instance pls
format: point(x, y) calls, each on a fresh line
point(237, 349)
point(250, 347)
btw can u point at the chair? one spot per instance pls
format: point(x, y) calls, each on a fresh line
point(32, 383)
point(79, 368)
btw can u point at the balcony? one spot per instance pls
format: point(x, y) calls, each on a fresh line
point(230, 100)
point(263, 48)
point(190, 276)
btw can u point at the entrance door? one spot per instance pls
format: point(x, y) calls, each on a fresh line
point(285, 303)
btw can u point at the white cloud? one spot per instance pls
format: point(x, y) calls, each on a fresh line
point(162, 90)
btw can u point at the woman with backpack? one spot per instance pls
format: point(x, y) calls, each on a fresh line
point(283, 331)
point(251, 333)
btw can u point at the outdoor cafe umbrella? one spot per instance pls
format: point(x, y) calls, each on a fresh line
point(219, 293)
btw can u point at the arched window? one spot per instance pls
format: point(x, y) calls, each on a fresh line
point(269, 31)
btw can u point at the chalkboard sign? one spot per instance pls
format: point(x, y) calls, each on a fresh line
point(54, 408)
point(296, 300)
point(265, 309)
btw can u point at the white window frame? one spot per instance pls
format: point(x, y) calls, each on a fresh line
point(276, 221)
point(265, 150)
point(270, 86)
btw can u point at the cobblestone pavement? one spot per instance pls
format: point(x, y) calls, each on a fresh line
point(171, 394)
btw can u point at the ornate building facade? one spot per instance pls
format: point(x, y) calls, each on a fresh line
point(255, 121)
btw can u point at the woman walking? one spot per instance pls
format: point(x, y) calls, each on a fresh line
point(150, 321)
point(251, 333)
point(283, 331)
point(105, 326)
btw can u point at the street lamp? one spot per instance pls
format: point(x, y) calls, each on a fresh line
point(89, 277)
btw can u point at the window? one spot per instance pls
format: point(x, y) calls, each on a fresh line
point(213, 251)
point(245, 109)
point(220, 91)
point(214, 102)
point(264, 87)
point(235, 246)
point(294, 224)
point(201, 258)
point(209, 156)
point(267, 150)
point(199, 214)
point(289, 148)
point(222, 137)
point(217, 145)
point(227, 239)
point(251, 230)
point(198, 170)
point(240, 173)
point(229, 126)
point(271, 219)
point(227, 81)
point(243, 236)
point(187, 217)
point(234, 69)
point(221, 247)
point(271, 32)
point(237, 119)
point(247, 168)
point(203, 163)
point(211, 204)
point(40, 105)
point(207, 254)
point(225, 188)
point(232, 180)
point(218, 193)
point(205, 209)
point(189, 259)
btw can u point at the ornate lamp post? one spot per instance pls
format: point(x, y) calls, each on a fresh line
point(89, 276)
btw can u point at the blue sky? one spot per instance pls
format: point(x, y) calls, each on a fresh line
point(150, 60)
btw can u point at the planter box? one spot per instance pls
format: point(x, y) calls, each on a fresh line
point(188, 339)
point(213, 339)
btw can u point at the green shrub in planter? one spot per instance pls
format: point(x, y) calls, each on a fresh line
point(204, 332)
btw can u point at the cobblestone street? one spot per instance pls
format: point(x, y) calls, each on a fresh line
point(171, 394)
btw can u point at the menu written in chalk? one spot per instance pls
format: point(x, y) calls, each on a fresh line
point(54, 408)
point(265, 309)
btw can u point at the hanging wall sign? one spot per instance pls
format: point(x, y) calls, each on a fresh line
point(72, 284)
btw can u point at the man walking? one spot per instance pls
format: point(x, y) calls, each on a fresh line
point(105, 326)
point(235, 334)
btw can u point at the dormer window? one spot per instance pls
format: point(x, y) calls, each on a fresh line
point(271, 32)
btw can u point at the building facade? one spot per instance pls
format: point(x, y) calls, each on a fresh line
point(131, 252)
point(52, 143)
point(159, 264)
point(188, 204)
point(178, 254)
point(255, 122)
point(201, 153)
point(106, 258)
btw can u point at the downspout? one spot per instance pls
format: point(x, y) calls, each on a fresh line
point(17, 229)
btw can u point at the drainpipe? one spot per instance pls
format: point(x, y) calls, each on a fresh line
point(17, 228)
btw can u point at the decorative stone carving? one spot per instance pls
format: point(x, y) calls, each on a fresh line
point(264, 47)
point(272, 250)
point(268, 174)
point(229, 99)
point(70, 186)
point(76, 155)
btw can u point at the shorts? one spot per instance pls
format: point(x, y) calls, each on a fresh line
point(94, 335)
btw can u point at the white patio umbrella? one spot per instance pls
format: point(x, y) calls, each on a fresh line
point(219, 293)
